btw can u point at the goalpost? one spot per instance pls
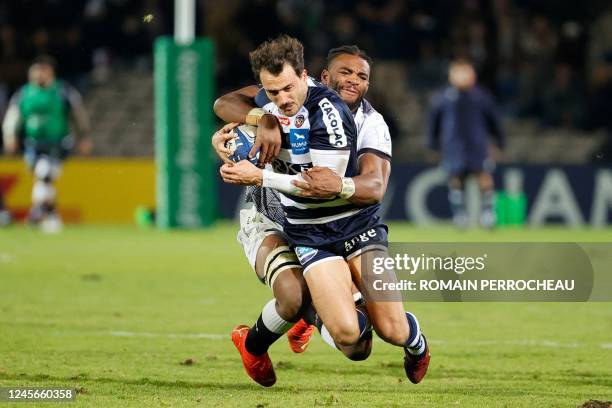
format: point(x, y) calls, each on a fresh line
point(184, 92)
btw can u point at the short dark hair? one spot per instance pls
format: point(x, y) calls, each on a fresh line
point(461, 61)
point(45, 60)
point(273, 54)
point(348, 49)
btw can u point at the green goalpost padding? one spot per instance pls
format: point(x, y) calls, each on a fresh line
point(184, 124)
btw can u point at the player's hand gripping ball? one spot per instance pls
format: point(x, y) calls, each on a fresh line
point(241, 145)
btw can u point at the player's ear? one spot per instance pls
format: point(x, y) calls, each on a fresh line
point(325, 76)
point(304, 75)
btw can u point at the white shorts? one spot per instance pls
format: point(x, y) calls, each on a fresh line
point(254, 228)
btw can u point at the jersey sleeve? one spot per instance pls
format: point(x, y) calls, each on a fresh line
point(77, 108)
point(333, 135)
point(374, 137)
point(332, 126)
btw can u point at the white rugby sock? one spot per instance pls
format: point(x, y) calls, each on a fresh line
point(272, 320)
point(327, 337)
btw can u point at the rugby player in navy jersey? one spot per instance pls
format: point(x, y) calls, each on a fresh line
point(319, 229)
point(348, 70)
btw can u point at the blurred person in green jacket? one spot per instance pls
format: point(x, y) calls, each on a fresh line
point(40, 113)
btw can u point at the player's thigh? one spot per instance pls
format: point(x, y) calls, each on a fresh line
point(278, 267)
point(44, 160)
point(388, 317)
point(329, 282)
point(254, 230)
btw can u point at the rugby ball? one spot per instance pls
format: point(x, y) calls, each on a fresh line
point(241, 145)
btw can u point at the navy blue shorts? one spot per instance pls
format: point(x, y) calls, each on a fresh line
point(374, 237)
point(473, 167)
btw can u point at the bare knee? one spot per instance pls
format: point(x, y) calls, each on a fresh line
point(361, 350)
point(345, 334)
point(291, 295)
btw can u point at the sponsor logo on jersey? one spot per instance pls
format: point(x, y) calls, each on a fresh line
point(299, 120)
point(298, 138)
point(283, 167)
point(361, 238)
point(333, 123)
point(305, 254)
point(283, 120)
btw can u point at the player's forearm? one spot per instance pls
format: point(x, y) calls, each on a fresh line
point(233, 108)
point(369, 189)
point(81, 120)
point(11, 124)
point(361, 190)
point(236, 105)
point(371, 183)
point(280, 182)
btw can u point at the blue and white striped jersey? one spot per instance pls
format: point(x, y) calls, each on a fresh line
point(321, 133)
point(372, 137)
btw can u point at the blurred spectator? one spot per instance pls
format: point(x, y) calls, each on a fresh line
point(536, 56)
point(41, 110)
point(561, 101)
point(430, 71)
point(382, 19)
point(462, 118)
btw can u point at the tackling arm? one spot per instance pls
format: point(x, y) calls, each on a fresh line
point(239, 107)
point(235, 106)
point(370, 184)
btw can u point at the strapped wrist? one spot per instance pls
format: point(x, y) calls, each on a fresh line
point(348, 188)
point(254, 116)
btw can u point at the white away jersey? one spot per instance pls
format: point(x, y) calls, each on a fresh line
point(372, 132)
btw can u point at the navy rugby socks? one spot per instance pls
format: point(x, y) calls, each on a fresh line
point(415, 344)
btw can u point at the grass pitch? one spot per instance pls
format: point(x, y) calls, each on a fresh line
point(133, 317)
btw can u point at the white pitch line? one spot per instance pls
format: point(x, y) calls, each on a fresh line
point(209, 336)
point(534, 343)
point(6, 257)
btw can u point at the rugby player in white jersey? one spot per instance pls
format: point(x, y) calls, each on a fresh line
point(328, 284)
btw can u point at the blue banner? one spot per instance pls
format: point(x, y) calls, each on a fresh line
point(568, 195)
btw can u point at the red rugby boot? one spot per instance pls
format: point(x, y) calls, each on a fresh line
point(299, 336)
point(416, 366)
point(259, 368)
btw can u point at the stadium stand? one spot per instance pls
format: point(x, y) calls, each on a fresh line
point(549, 65)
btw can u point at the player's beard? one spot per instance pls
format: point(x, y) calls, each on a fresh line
point(353, 105)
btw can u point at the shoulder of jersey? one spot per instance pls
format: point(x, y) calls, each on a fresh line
point(372, 115)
